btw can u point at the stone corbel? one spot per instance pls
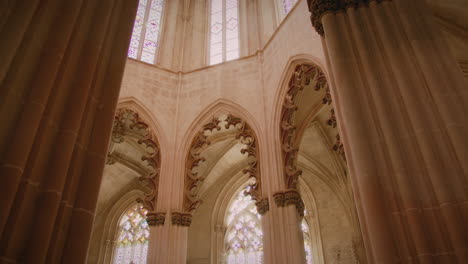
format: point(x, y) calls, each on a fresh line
point(181, 219)
point(289, 197)
point(156, 218)
point(263, 206)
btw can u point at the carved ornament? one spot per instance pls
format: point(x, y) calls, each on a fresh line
point(290, 197)
point(128, 124)
point(303, 76)
point(338, 147)
point(318, 8)
point(181, 219)
point(263, 206)
point(244, 134)
point(156, 218)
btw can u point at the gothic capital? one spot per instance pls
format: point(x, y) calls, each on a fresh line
point(318, 8)
point(181, 219)
point(263, 206)
point(290, 197)
point(156, 218)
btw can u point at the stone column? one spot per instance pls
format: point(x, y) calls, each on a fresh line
point(402, 105)
point(60, 80)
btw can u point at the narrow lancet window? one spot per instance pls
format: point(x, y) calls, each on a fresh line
point(133, 237)
point(244, 236)
point(224, 31)
point(145, 37)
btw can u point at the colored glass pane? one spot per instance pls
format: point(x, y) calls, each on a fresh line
point(133, 235)
point(145, 36)
point(244, 236)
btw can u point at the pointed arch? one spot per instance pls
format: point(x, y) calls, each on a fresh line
point(300, 70)
point(210, 120)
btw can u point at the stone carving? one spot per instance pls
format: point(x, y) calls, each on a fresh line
point(245, 135)
point(339, 147)
point(332, 120)
point(128, 124)
point(320, 7)
point(156, 218)
point(290, 197)
point(303, 75)
point(263, 206)
point(181, 219)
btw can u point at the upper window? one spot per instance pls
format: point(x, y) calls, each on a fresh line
point(244, 236)
point(224, 31)
point(133, 236)
point(145, 36)
point(286, 6)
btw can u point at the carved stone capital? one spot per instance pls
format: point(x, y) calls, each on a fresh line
point(318, 8)
point(181, 219)
point(156, 218)
point(263, 206)
point(289, 197)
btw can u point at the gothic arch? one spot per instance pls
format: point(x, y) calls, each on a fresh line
point(111, 216)
point(236, 118)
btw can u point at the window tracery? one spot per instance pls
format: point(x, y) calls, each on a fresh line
point(224, 31)
point(145, 36)
point(133, 237)
point(244, 235)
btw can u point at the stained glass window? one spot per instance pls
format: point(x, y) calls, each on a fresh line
point(224, 31)
point(145, 36)
point(286, 6)
point(244, 236)
point(307, 241)
point(133, 235)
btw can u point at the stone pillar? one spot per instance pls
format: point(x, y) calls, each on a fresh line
point(402, 105)
point(62, 64)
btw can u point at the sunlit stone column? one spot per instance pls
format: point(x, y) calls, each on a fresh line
point(402, 106)
point(62, 64)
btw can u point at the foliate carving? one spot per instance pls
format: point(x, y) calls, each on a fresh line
point(245, 135)
point(303, 76)
point(181, 219)
point(263, 206)
point(194, 158)
point(332, 120)
point(320, 7)
point(279, 199)
point(338, 147)
point(156, 218)
point(128, 124)
point(290, 197)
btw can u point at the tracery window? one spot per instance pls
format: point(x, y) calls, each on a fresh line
point(307, 241)
point(286, 6)
point(133, 236)
point(224, 31)
point(244, 236)
point(145, 36)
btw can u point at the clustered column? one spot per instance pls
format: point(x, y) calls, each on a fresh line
point(402, 104)
point(62, 65)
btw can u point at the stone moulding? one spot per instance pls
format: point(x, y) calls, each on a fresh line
point(302, 76)
point(318, 8)
point(181, 219)
point(127, 123)
point(156, 218)
point(245, 135)
point(290, 197)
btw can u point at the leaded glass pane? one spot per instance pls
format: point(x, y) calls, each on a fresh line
point(244, 236)
point(224, 31)
point(145, 36)
point(133, 236)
